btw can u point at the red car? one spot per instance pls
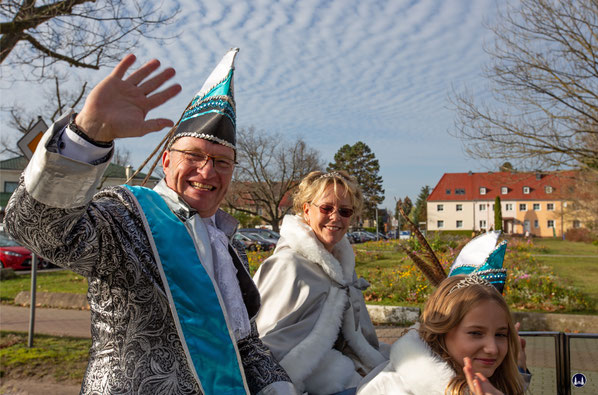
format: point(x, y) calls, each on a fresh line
point(15, 256)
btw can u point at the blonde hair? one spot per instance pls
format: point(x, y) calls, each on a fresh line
point(445, 309)
point(316, 182)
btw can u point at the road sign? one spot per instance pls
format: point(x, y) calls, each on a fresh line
point(29, 141)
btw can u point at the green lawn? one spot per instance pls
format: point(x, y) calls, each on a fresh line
point(580, 267)
point(62, 358)
point(59, 281)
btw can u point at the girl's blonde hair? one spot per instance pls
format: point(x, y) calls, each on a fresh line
point(316, 182)
point(445, 309)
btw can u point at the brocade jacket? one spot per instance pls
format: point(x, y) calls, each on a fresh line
point(136, 348)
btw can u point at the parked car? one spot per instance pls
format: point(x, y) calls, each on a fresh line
point(264, 236)
point(352, 238)
point(363, 236)
point(267, 233)
point(253, 243)
point(15, 256)
point(404, 235)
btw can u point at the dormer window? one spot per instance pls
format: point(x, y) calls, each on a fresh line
point(459, 191)
point(482, 190)
point(448, 191)
point(504, 190)
point(548, 189)
point(526, 190)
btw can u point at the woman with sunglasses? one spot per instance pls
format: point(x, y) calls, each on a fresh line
point(313, 315)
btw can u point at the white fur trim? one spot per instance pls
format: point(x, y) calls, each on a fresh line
point(419, 367)
point(305, 356)
point(302, 239)
point(334, 373)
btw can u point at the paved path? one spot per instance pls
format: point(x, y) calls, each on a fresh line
point(61, 322)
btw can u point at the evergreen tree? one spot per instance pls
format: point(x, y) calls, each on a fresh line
point(407, 206)
point(359, 161)
point(497, 214)
point(420, 212)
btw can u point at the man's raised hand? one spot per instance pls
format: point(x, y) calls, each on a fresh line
point(117, 106)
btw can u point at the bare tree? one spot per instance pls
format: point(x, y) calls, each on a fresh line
point(80, 33)
point(57, 101)
point(544, 84)
point(269, 169)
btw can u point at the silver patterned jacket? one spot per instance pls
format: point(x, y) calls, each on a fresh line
point(135, 348)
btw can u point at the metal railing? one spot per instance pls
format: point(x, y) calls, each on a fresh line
point(562, 352)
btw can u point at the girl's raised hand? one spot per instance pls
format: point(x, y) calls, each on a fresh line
point(478, 384)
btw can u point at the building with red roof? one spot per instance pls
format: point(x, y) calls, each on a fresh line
point(531, 202)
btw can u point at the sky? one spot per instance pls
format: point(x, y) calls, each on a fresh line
point(333, 73)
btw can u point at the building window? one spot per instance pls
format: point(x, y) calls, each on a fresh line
point(548, 189)
point(526, 190)
point(536, 224)
point(483, 224)
point(522, 207)
point(577, 224)
point(482, 190)
point(550, 206)
point(504, 190)
point(440, 224)
point(459, 207)
point(440, 207)
point(459, 191)
point(550, 223)
point(509, 207)
point(536, 206)
point(10, 186)
point(459, 224)
point(482, 207)
point(448, 191)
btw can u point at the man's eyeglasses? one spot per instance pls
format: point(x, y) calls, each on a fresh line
point(327, 209)
point(199, 160)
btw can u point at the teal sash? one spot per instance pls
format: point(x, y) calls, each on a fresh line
point(201, 323)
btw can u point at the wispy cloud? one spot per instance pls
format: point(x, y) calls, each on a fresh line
point(339, 71)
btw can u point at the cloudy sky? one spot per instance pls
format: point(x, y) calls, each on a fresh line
point(337, 72)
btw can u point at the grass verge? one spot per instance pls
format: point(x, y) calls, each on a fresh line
point(59, 281)
point(64, 359)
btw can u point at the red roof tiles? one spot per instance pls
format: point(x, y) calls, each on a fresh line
point(466, 186)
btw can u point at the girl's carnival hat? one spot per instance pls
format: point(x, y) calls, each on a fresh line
point(211, 115)
point(482, 258)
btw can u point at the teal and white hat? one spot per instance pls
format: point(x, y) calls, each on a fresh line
point(482, 257)
point(211, 115)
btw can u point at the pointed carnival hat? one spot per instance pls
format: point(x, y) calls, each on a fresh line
point(211, 115)
point(483, 258)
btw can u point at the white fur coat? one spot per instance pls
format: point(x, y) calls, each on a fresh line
point(309, 297)
point(413, 369)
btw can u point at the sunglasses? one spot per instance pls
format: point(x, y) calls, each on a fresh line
point(327, 209)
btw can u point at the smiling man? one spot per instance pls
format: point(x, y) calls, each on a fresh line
point(171, 298)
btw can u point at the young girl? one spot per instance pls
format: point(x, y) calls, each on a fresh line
point(466, 340)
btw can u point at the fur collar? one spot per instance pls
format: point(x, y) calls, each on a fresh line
point(421, 369)
point(338, 265)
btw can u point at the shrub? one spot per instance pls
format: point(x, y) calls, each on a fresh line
point(580, 234)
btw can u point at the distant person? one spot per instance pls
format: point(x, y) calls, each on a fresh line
point(465, 343)
point(171, 298)
point(313, 316)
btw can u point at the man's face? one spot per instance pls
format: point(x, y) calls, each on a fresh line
point(202, 188)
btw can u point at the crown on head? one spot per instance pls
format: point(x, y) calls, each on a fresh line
point(331, 174)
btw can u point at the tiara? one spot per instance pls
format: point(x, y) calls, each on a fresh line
point(472, 279)
point(331, 175)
